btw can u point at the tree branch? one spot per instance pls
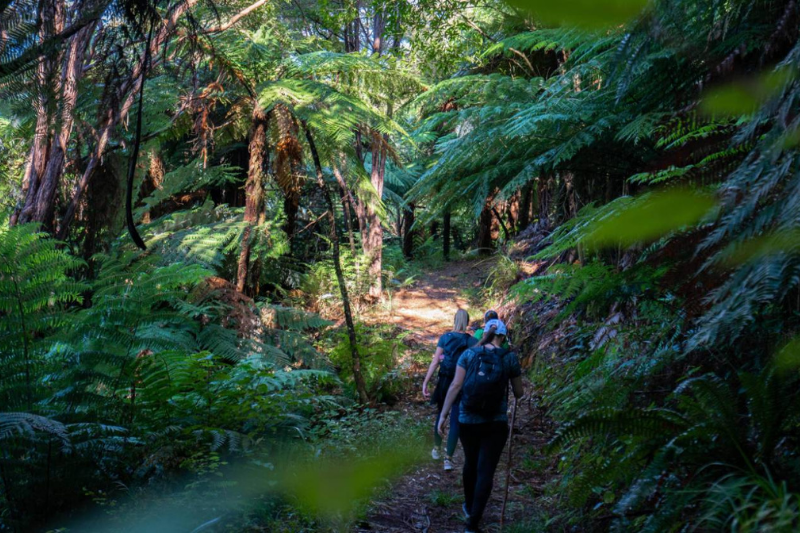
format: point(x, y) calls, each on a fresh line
point(236, 18)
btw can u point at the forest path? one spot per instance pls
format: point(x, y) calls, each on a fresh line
point(426, 308)
point(428, 499)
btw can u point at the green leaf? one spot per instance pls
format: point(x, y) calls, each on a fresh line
point(588, 14)
point(778, 242)
point(745, 97)
point(788, 358)
point(652, 216)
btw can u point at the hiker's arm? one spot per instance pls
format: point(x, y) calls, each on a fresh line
point(431, 370)
point(517, 388)
point(488, 335)
point(452, 394)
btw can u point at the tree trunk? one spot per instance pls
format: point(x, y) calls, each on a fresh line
point(120, 97)
point(408, 232)
point(502, 224)
point(355, 202)
point(56, 80)
point(348, 220)
point(524, 218)
point(572, 208)
point(572, 196)
point(288, 165)
point(485, 243)
point(378, 25)
point(434, 229)
point(358, 377)
point(543, 194)
point(352, 40)
point(45, 203)
point(512, 212)
point(446, 236)
point(373, 244)
point(254, 189)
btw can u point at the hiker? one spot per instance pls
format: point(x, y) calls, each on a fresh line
point(449, 348)
point(490, 315)
point(482, 378)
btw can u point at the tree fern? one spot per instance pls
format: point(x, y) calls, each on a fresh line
point(34, 285)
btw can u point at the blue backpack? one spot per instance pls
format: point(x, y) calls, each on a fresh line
point(447, 368)
point(486, 383)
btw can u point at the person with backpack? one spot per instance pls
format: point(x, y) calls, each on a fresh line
point(490, 315)
point(449, 348)
point(482, 378)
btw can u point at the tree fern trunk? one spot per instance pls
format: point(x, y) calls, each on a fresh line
point(254, 190)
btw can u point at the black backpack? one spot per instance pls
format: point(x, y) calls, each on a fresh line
point(447, 368)
point(486, 383)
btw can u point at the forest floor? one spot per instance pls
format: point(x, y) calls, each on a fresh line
point(428, 499)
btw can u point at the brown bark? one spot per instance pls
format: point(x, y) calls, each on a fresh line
point(373, 244)
point(123, 93)
point(153, 180)
point(254, 190)
point(543, 194)
point(502, 224)
point(236, 18)
point(572, 197)
point(378, 26)
point(50, 21)
point(512, 212)
point(288, 165)
point(43, 207)
point(358, 377)
point(485, 243)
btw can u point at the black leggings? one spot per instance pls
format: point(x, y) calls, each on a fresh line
point(483, 445)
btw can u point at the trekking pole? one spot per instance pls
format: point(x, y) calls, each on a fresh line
point(508, 464)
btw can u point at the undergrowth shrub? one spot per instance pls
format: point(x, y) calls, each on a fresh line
point(383, 361)
point(150, 376)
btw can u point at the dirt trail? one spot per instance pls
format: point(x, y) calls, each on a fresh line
point(428, 499)
point(427, 307)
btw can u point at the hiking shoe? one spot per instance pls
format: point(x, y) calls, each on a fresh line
point(436, 454)
point(448, 464)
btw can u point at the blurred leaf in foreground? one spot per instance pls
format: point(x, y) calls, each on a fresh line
point(745, 97)
point(773, 243)
point(788, 358)
point(652, 216)
point(587, 14)
point(333, 488)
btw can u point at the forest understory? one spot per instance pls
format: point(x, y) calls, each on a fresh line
point(234, 232)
